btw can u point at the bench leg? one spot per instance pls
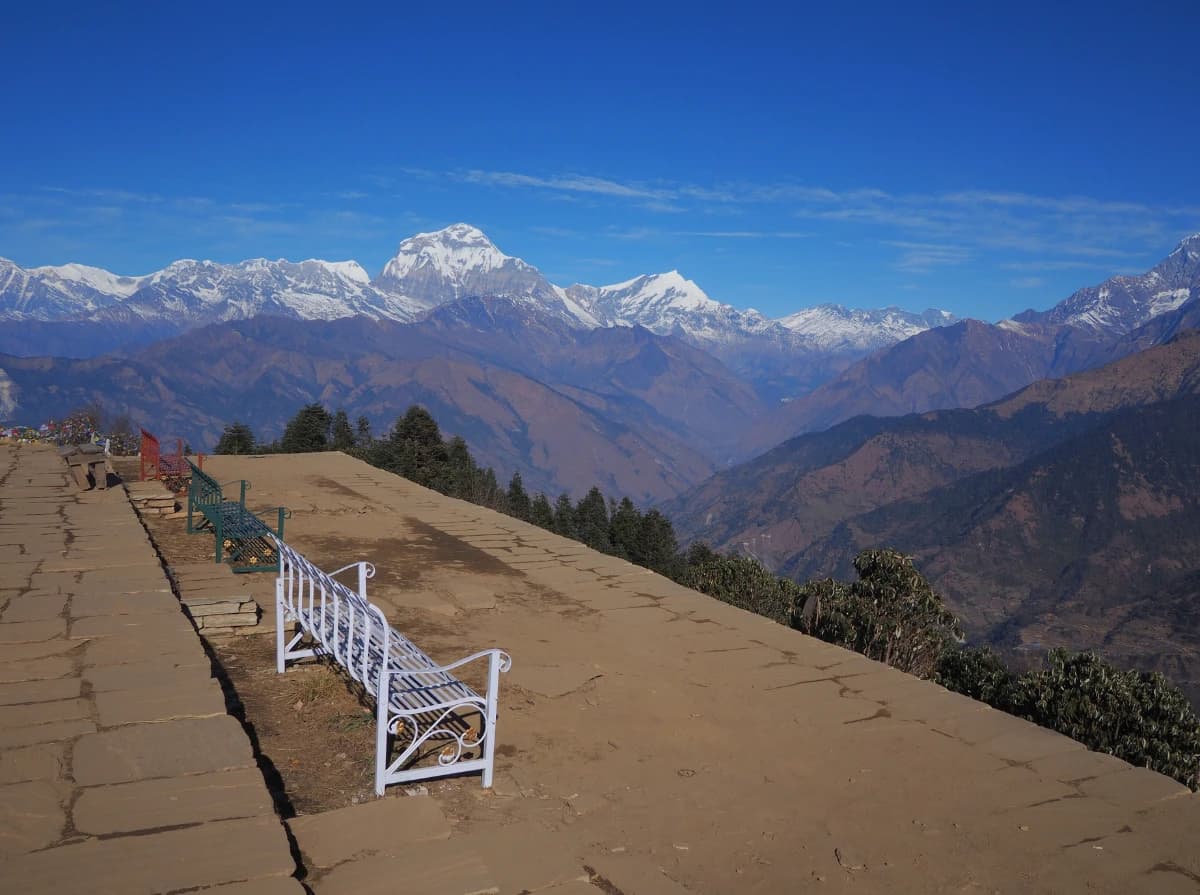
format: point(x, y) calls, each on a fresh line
point(381, 732)
point(489, 742)
point(280, 637)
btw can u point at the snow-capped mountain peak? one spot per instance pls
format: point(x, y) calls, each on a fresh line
point(452, 254)
point(834, 327)
point(1123, 303)
point(93, 278)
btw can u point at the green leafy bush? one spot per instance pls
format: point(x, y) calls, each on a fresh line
point(890, 614)
point(1136, 716)
point(979, 673)
point(740, 581)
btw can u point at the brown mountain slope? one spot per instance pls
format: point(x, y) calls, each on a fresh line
point(780, 503)
point(630, 435)
point(963, 365)
point(1092, 544)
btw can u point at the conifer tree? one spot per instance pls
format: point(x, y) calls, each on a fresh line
point(591, 521)
point(362, 435)
point(623, 529)
point(541, 513)
point(656, 545)
point(462, 475)
point(518, 498)
point(307, 431)
point(564, 518)
point(342, 434)
point(236, 439)
point(417, 451)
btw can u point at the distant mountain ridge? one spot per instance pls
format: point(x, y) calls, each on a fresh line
point(74, 309)
point(967, 363)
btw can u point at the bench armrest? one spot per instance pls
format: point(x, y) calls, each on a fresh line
point(505, 663)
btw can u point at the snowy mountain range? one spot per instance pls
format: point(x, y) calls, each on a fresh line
point(1121, 304)
point(429, 270)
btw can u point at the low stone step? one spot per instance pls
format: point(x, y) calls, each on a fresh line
point(384, 826)
point(448, 867)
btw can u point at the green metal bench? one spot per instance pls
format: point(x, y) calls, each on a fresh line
point(242, 539)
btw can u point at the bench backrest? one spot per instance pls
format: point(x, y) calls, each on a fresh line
point(204, 490)
point(349, 628)
point(149, 452)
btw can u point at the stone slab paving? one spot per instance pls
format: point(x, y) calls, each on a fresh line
point(673, 743)
point(120, 771)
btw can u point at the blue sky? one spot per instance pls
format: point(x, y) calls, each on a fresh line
point(978, 159)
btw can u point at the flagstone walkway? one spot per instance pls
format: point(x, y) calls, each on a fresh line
point(120, 771)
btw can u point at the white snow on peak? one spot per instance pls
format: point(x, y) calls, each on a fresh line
point(453, 252)
point(835, 326)
point(93, 277)
point(348, 270)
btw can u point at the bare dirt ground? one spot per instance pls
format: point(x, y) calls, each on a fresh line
point(313, 728)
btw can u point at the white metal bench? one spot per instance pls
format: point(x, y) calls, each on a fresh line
point(417, 701)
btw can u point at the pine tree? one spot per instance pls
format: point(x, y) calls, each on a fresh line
point(656, 546)
point(488, 489)
point(417, 450)
point(623, 528)
point(307, 431)
point(236, 439)
point(541, 513)
point(518, 498)
point(462, 474)
point(342, 434)
point(591, 520)
point(564, 518)
point(362, 435)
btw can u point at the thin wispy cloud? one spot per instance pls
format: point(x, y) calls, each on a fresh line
point(1027, 283)
point(1012, 221)
point(574, 183)
point(110, 195)
point(922, 257)
point(743, 234)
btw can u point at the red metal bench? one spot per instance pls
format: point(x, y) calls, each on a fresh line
point(171, 469)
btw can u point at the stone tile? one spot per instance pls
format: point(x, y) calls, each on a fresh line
point(1027, 742)
point(168, 749)
point(276, 885)
point(32, 632)
point(1135, 787)
point(1081, 765)
point(378, 827)
point(40, 691)
point(30, 608)
point(43, 762)
point(631, 873)
point(43, 712)
point(205, 855)
point(31, 816)
point(525, 857)
point(148, 804)
point(197, 698)
point(84, 605)
point(449, 867)
point(147, 625)
point(137, 646)
point(22, 652)
point(148, 673)
point(44, 733)
point(36, 669)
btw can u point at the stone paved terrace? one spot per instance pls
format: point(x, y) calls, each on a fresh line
point(652, 740)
